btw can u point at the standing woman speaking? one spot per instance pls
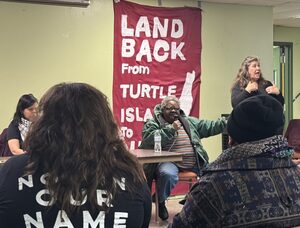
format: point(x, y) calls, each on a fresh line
point(250, 82)
point(25, 114)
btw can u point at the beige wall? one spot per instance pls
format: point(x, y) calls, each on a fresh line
point(42, 45)
point(230, 33)
point(285, 34)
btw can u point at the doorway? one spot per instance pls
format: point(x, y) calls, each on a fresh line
point(283, 75)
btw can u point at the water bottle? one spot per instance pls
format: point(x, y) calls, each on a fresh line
point(157, 142)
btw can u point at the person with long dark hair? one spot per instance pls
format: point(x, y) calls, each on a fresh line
point(25, 114)
point(77, 171)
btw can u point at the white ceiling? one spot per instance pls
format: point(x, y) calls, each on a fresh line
point(285, 12)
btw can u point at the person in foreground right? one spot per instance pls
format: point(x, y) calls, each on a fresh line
point(254, 183)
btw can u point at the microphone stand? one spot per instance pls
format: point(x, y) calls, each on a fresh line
point(296, 96)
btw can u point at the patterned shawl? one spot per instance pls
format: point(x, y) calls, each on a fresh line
point(266, 153)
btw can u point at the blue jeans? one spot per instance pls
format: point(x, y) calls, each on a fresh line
point(166, 177)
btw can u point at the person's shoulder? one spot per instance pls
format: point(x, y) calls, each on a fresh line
point(12, 124)
point(195, 120)
point(13, 131)
point(149, 123)
point(13, 127)
point(19, 158)
point(17, 163)
point(192, 118)
point(127, 185)
point(236, 85)
point(198, 121)
point(13, 168)
point(157, 109)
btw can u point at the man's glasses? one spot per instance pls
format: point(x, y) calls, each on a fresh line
point(172, 108)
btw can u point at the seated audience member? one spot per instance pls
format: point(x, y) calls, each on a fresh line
point(179, 133)
point(77, 171)
point(293, 136)
point(254, 183)
point(250, 82)
point(26, 112)
point(4, 149)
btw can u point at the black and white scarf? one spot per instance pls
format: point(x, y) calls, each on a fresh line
point(24, 128)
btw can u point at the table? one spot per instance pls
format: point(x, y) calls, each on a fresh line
point(149, 156)
point(144, 156)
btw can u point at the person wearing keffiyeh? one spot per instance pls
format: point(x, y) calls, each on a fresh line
point(254, 183)
point(26, 112)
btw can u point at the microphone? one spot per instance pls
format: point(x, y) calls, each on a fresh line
point(176, 116)
point(179, 118)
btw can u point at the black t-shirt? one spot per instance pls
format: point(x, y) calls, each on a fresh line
point(13, 132)
point(24, 203)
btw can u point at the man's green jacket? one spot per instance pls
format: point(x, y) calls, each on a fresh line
point(195, 128)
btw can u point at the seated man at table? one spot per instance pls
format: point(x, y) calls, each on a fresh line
point(254, 183)
point(179, 133)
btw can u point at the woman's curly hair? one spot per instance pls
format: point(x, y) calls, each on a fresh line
point(76, 141)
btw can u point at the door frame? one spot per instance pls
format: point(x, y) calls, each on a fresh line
point(286, 67)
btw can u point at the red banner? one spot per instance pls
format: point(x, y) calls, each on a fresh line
point(156, 54)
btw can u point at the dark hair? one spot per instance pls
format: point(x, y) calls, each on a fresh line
point(76, 141)
point(25, 101)
point(243, 76)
